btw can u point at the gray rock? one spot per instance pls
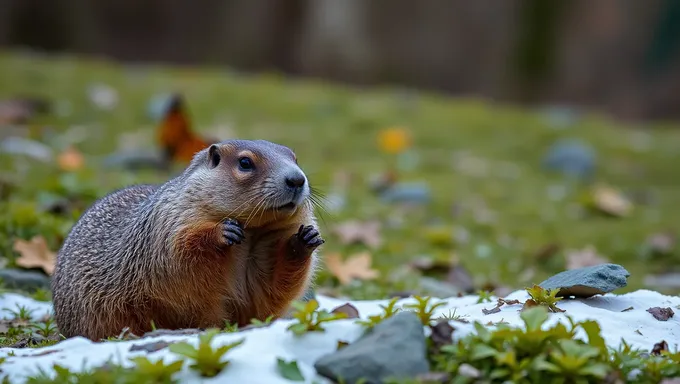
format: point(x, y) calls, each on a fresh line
point(395, 349)
point(572, 158)
point(24, 279)
point(407, 193)
point(588, 281)
point(309, 295)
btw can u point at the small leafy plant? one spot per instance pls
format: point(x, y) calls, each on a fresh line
point(45, 328)
point(423, 309)
point(150, 372)
point(207, 361)
point(310, 319)
point(536, 355)
point(289, 370)
point(260, 323)
point(484, 297)
point(547, 298)
point(21, 313)
point(388, 311)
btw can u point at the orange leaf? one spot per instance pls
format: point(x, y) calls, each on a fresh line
point(35, 254)
point(175, 134)
point(70, 159)
point(394, 140)
point(357, 266)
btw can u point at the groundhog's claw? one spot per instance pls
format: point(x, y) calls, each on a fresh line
point(232, 232)
point(309, 236)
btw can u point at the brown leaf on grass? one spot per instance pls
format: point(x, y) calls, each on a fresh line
point(71, 159)
point(348, 309)
point(20, 110)
point(547, 251)
point(661, 314)
point(354, 231)
point(610, 201)
point(661, 243)
point(35, 254)
point(357, 266)
point(585, 257)
point(659, 347)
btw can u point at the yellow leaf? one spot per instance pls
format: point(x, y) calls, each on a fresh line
point(357, 266)
point(354, 231)
point(610, 201)
point(35, 254)
point(70, 159)
point(394, 140)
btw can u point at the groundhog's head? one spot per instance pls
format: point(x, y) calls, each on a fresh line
point(255, 182)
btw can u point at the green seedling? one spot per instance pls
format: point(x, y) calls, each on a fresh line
point(484, 297)
point(150, 372)
point(45, 328)
point(260, 323)
point(21, 313)
point(207, 361)
point(547, 298)
point(310, 318)
point(230, 327)
point(388, 311)
point(423, 309)
point(42, 295)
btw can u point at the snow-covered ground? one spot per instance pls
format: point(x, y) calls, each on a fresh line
point(255, 361)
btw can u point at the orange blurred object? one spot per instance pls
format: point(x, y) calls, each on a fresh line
point(179, 142)
point(394, 140)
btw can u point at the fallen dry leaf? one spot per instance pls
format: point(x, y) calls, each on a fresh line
point(71, 159)
point(661, 314)
point(353, 231)
point(611, 201)
point(35, 254)
point(585, 257)
point(357, 266)
point(659, 347)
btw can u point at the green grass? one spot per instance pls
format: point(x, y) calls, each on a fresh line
point(333, 128)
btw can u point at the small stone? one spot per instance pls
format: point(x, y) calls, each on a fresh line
point(309, 295)
point(661, 314)
point(395, 349)
point(659, 347)
point(433, 378)
point(588, 281)
point(468, 370)
point(441, 333)
point(173, 332)
point(572, 158)
point(438, 288)
point(348, 309)
point(150, 347)
point(407, 193)
point(24, 279)
point(27, 147)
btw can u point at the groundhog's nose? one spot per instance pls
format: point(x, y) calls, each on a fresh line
point(295, 180)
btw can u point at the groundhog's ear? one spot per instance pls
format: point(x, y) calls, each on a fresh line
point(214, 156)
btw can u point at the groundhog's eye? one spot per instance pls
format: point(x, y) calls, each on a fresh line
point(245, 164)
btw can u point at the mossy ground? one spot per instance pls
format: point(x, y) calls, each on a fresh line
point(334, 128)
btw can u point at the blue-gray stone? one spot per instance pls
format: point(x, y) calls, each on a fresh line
point(158, 105)
point(395, 349)
point(572, 158)
point(24, 279)
point(408, 193)
point(588, 281)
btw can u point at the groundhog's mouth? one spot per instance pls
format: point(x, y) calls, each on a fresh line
point(287, 207)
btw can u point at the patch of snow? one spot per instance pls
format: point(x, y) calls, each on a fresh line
point(255, 361)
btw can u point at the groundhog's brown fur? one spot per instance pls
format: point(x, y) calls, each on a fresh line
point(228, 239)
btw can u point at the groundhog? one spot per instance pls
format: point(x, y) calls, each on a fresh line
point(232, 238)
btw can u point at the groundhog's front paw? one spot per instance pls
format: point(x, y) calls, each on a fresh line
point(232, 232)
point(308, 237)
